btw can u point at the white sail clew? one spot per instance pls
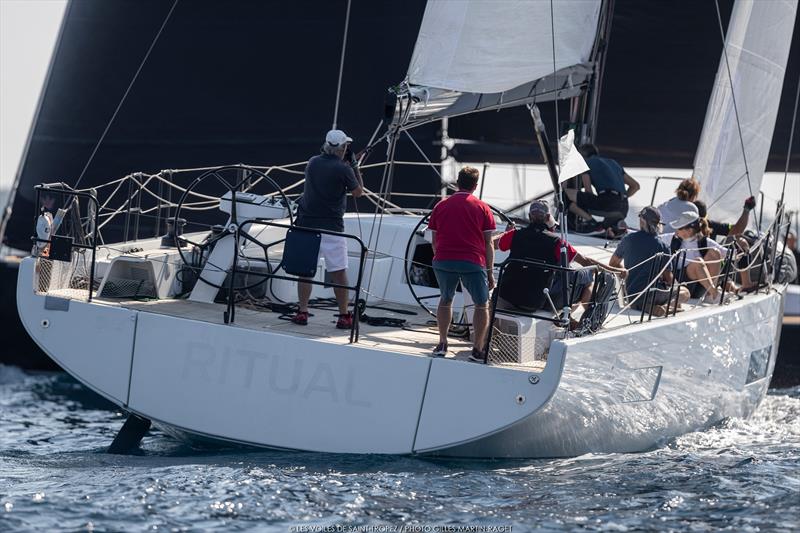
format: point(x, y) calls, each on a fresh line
point(757, 44)
point(491, 46)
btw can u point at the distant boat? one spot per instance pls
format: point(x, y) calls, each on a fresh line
point(139, 321)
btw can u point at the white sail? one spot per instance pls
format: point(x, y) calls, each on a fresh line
point(491, 46)
point(757, 44)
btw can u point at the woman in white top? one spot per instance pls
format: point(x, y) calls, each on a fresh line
point(703, 255)
point(687, 192)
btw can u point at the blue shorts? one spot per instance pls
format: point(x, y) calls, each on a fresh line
point(471, 275)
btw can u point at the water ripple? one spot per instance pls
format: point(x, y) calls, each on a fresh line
point(741, 475)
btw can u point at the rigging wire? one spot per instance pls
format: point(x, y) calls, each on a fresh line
point(791, 140)
point(555, 78)
point(733, 98)
point(341, 66)
point(561, 215)
point(125, 95)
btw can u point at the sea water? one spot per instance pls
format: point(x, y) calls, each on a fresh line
point(741, 475)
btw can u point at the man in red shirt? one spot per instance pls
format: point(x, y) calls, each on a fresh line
point(521, 285)
point(462, 228)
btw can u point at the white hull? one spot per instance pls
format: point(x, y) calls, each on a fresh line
point(622, 390)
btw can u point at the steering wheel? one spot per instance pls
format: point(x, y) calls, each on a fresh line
point(233, 179)
point(409, 263)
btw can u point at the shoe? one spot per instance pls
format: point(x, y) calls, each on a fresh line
point(300, 318)
point(590, 227)
point(440, 350)
point(345, 321)
point(709, 299)
point(477, 356)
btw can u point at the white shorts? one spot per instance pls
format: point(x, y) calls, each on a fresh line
point(334, 250)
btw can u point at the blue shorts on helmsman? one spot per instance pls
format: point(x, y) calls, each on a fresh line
point(471, 275)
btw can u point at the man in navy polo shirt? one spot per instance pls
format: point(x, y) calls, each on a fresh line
point(613, 185)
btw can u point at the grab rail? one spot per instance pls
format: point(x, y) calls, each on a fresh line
point(354, 329)
point(533, 313)
point(64, 190)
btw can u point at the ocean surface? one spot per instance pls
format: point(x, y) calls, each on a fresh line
point(741, 475)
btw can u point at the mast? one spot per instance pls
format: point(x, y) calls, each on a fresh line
point(590, 100)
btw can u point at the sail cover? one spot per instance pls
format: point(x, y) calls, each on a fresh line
point(490, 46)
point(757, 44)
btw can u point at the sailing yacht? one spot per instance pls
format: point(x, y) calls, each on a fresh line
point(189, 332)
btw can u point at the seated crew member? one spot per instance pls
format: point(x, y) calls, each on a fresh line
point(523, 283)
point(609, 179)
point(688, 192)
point(328, 180)
point(735, 232)
point(44, 225)
point(462, 228)
point(636, 252)
point(723, 229)
point(703, 255)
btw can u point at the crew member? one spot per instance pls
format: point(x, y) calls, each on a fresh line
point(704, 256)
point(328, 178)
point(523, 283)
point(688, 192)
point(637, 252)
point(462, 228)
point(613, 185)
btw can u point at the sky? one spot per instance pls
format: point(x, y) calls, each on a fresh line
point(28, 31)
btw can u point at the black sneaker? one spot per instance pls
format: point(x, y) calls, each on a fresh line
point(590, 227)
point(477, 356)
point(440, 350)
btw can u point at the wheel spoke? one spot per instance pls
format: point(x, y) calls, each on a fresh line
point(430, 296)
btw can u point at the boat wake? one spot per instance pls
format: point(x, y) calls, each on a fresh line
point(739, 474)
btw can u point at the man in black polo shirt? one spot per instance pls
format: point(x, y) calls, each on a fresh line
point(322, 206)
point(637, 252)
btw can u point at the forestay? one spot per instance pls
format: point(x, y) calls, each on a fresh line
point(486, 54)
point(757, 46)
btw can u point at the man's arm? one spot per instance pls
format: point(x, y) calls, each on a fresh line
point(588, 261)
point(358, 192)
point(633, 185)
point(615, 262)
point(744, 218)
point(587, 182)
point(433, 241)
point(489, 242)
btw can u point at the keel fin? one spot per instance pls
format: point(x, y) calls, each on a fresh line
point(130, 435)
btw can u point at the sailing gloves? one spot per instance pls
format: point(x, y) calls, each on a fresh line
point(750, 203)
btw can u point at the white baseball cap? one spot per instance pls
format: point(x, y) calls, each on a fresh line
point(690, 216)
point(337, 138)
